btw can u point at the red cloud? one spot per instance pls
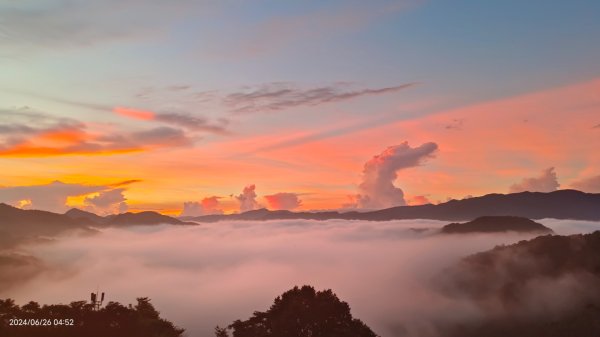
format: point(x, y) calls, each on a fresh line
point(283, 201)
point(134, 113)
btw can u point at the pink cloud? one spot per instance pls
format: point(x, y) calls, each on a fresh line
point(377, 188)
point(247, 199)
point(545, 182)
point(285, 201)
point(418, 200)
point(134, 113)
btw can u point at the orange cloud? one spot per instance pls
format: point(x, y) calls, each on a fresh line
point(29, 150)
point(64, 136)
point(418, 200)
point(135, 113)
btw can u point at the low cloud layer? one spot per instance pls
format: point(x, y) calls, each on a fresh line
point(545, 182)
point(286, 201)
point(279, 96)
point(212, 274)
point(377, 189)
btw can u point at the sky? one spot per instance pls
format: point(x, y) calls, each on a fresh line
point(201, 107)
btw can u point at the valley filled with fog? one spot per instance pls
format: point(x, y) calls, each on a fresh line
point(201, 276)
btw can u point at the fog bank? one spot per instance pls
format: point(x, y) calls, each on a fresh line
point(210, 274)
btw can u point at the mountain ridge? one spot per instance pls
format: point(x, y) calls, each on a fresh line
point(561, 204)
point(496, 224)
point(19, 225)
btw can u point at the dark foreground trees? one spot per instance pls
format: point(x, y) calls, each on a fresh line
point(301, 312)
point(80, 319)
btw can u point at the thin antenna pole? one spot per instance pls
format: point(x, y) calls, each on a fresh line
point(96, 299)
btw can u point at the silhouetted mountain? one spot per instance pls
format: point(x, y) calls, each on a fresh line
point(563, 204)
point(491, 224)
point(545, 287)
point(265, 214)
point(143, 218)
point(17, 224)
point(23, 220)
point(77, 214)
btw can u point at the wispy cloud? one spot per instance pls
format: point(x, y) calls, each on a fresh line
point(31, 26)
point(180, 119)
point(186, 120)
point(54, 136)
point(308, 29)
point(279, 96)
point(125, 183)
point(190, 122)
point(456, 124)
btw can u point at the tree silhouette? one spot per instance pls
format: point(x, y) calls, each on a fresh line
point(301, 312)
point(113, 320)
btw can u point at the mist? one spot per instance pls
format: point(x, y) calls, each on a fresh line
point(201, 276)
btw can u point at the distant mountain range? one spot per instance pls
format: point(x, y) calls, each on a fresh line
point(562, 204)
point(124, 219)
point(18, 225)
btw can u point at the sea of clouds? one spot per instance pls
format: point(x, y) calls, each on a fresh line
point(201, 276)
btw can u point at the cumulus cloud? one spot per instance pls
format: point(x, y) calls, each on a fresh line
point(53, 197)
point(590, 185)
point(283, 200)
point(419, 200)
point(208, 205)
point(192, 208)
point(545, 182)
point(107, 202)
point(377, 188)
point(279, 96)
point(48, 197)
point(247, 199)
